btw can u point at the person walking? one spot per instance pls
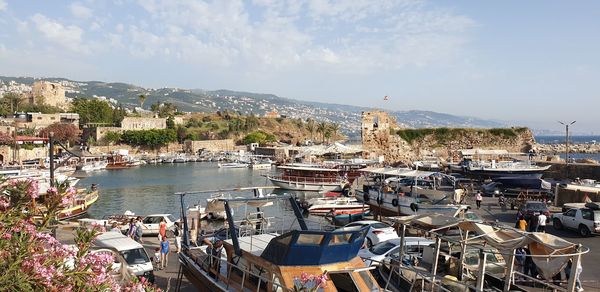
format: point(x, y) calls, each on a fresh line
point(162, 229)
point(542, 222)
point(533, 223)
point(131, 230)
point(177, 233)
point(478, 199)
point(164, 252)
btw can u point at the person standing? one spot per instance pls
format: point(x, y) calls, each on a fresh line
point(131, 230)
point(139, 230)
point(164, 252)
point(533, 222)
point(478, 199)
point(177, 233)
point(522, 224)
point(542, 222)
point(162, 229)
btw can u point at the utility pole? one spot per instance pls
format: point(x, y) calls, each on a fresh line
point(567, 139)
point(51, 156)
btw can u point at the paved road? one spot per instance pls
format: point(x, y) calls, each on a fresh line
point(591, 270)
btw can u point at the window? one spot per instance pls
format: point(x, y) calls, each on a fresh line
point(340, 238)
point(310, 239)
point(587, 214)
point(135, 256)
point(382, 248)
point(379, 225)
point(343, 282)
point(571, 213)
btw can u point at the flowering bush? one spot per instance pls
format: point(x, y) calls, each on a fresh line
point(310, 283)
point(31, 259)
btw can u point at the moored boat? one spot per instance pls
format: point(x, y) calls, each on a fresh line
point(261, 259)
point(308, 178)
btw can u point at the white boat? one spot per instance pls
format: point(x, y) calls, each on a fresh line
point(308, 178)
point(94, 165)
point(232, 165)
point(324, 206)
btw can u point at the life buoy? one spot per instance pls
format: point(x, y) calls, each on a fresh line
point(395, 202)
point(366, 197)
point(414, 207)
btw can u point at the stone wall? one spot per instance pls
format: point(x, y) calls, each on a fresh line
point(209, 145)
point(99, 132)
point(6, 154)
point(171, 148)
point(379, 137)
point(138, 123)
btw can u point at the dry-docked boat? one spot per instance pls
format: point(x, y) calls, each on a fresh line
point(254, 257)
point(409, 192)
point(337, 206)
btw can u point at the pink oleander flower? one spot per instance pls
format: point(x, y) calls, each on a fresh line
point(6, 236)
point(52, 190)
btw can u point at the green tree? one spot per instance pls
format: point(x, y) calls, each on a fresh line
point(164, 110)
point(170, 122)
point(93, 111)
point(118, 114)
point(112, 137)
point(259, 137)
point(11, 102)
point(153, 138)
point(141, 98)
point(182, 133)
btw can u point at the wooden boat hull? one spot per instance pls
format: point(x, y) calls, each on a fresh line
point(80, 208)
point(195, 274)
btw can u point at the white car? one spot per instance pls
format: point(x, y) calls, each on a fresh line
point(150, 223)
point(413, 246)
point(585, 220)
point(378, 231)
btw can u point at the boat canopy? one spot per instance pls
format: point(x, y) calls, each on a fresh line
point(313, 248)
point(307, 168)
point(471, 152)
point(404, 172)
point(550, 253)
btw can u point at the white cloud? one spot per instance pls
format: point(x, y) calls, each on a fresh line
point(67, 36)
point(2, 5)
point(80, 11)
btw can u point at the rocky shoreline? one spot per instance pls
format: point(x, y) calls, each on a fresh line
point(573, 148)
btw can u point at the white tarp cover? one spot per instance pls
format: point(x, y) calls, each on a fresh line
point(506, 240)
point(541, 244)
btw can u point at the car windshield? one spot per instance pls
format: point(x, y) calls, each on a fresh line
point(382, 247)
point(135, 256)
point(171, 218)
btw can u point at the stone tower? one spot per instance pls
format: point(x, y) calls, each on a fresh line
point(379, 137)
point(51, 93)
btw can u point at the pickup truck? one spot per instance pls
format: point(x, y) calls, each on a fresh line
point(585, 220)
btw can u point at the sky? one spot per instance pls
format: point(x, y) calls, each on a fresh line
point(526, 63)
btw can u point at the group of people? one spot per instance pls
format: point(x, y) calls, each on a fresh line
point(536, 223)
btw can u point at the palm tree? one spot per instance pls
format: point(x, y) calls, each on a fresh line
point(142, 98)
point(335, 128)
point(310, 126)
point(322, 128)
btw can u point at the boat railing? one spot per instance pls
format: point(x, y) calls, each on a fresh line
point(305, 179)
point(216, 265)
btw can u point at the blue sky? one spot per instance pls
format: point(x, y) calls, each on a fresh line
point(526, 62)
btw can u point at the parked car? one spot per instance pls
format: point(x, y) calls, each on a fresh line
point(377, 233)
point(531, 208)
point(131, 251)
point(413, 246)
point(585, 220)
point(150, 223)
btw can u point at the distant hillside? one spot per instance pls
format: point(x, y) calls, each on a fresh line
point(197, 100)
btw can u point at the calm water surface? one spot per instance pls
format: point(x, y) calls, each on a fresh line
point(150, 188)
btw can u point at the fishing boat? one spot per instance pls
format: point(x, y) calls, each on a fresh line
point(493, 168)
point(411, 192)
point(259, 258)
point(306, 177)
point(121, 161)
point(93, 164)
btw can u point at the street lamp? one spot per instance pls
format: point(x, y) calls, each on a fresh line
point(567, 139)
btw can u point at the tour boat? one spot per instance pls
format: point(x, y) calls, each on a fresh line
point(308, 178)
point(250, 255)
point(80, 204)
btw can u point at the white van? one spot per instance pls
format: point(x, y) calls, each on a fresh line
point(134, 253)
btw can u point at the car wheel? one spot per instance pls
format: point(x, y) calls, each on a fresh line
point(369, 243)
point(557, 224)
point(584, 231)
